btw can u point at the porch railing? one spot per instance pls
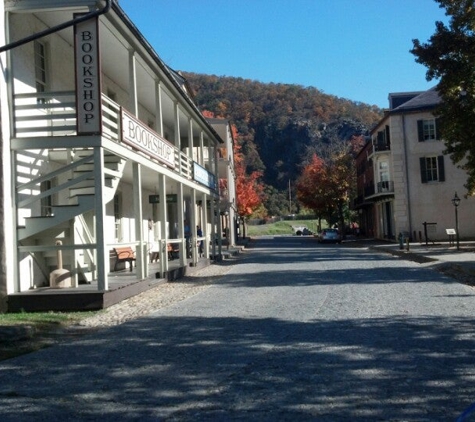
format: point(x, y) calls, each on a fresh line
point(42, 114)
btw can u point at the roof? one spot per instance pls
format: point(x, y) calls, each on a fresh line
point(398, 98)
point(426, 100)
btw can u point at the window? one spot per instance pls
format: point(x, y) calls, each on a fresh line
point(432, 169)
point(382, 142)
point(384, 175)
point(40, 68)
point(427, 130)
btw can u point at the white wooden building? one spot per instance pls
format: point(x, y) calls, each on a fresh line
point(102, 147)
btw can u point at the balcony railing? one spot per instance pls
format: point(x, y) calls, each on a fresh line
point(43, 114)
point(385, 187)
point(380, 188)
point(379, 147)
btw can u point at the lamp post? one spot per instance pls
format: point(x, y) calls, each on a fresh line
point(456, 203)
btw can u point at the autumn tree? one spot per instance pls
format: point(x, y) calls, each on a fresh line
point(325, 185)
point(449, 56)
point(249, 189)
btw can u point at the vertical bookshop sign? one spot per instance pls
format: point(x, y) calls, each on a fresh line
point(88, 74)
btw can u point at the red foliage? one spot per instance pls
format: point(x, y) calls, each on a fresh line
point(249, 189)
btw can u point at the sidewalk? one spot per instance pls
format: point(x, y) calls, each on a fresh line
point(442, 256)
point(229, 251)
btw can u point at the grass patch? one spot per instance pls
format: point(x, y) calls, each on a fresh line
point(43, 318)
point(23, 332)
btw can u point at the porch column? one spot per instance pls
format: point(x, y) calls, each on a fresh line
point(177, 139)
point(158, 108)
point(204, 222)
point(190, 138)
point(231, 199)
point(194, 255)
point(163, 224)
point(214, 169)
point(133, 102)
point(141, 261)
point(102, 253)
point(201, 158)
point(177, 135)
point(213, 228)
point(181, 226)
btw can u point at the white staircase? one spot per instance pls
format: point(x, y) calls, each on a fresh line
point(72, 186)
point(80, 194)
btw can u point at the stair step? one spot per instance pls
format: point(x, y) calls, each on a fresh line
point(61, 215)
point(90, 166)
point(108, 157)
point(89, 183)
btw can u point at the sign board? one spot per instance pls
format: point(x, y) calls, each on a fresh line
point(142, 138)
point(155, 199)
point(450, 231)
point(88, 77)
point(203, 176)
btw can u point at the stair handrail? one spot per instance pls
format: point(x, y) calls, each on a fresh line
point(55, 189)
point(54, 173)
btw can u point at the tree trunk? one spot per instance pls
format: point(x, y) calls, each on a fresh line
point(341, 220)
point(244, 227)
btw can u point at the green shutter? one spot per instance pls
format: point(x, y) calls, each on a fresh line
point(420, 130)
point(437, 122)
point(441, 169)
point(422, 161)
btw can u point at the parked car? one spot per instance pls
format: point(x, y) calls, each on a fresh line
point(329, 236)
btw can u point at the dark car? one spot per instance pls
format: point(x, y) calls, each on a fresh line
point(329, 236)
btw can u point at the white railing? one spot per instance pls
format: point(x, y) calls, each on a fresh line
point(45, 114)
point(38, 114)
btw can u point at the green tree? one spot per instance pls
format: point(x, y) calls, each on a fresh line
point(449, 56)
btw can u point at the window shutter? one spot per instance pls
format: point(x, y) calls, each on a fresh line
point(437, 122)
point(420, 130)
point(388, 141)
point(422, 161)
point(440, 165)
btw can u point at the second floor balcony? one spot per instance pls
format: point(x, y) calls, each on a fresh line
point(53, 114)
point(379, 147)
point(374, 191)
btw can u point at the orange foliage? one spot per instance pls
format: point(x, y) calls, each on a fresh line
point(249, 189)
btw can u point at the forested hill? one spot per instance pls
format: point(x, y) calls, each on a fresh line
point(281, 125)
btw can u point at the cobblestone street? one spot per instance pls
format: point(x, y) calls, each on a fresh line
point(288, 330)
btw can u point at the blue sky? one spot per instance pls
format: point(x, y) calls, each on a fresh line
point(355, 49)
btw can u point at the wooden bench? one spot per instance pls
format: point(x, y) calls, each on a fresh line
point(172, 251)
point(125, 254)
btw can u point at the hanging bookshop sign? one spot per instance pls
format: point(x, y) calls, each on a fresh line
point(142, 138)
